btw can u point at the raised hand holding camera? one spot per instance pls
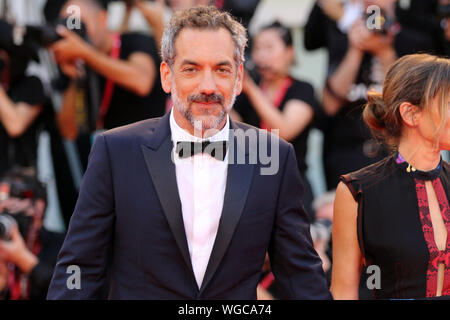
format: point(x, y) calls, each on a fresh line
point(70, 48)
point(366, 40)
point(16, 252)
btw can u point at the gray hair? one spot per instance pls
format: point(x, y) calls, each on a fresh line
point(203, 18)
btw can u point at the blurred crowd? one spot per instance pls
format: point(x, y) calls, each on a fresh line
point(65, 80)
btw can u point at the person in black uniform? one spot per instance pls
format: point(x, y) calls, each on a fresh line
point(358, 61)
point(278, 101)
point(128, 87)
point(394, 216)
point(21, 101)
point(28, 250)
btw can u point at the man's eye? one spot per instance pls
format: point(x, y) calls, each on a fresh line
point(223, 70)
point(189, 70)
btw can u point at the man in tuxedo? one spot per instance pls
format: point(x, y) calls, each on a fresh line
point(171, 216)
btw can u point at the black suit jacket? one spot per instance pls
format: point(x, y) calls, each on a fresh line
point(128, 218)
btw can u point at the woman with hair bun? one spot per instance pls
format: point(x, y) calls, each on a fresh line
point(391, 221)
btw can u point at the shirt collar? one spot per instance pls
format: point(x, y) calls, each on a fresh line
point(180, 134)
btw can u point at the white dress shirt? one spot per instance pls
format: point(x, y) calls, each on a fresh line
point(201, 181)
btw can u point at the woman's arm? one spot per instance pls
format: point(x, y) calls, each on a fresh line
point(16, 117)
point(66, 116)
point(153, 12)
point(347, 258)
point(291, 121)
point(137, 73)
point(341, 81)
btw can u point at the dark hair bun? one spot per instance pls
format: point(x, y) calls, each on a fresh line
point(377, 116)
point(284, 32)
point(374, 111)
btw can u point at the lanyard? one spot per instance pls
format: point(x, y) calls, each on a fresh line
point(109, 85)
point(278, 97)
point(267, 281)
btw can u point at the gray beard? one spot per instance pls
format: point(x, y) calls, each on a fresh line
point(206, 121)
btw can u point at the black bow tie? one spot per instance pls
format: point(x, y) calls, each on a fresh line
point(216, 149)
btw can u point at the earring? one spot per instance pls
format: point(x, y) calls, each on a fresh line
point(410, 168)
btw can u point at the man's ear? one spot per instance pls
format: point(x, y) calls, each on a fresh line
point(240, 78)
point(166, 77)
point(410, 114)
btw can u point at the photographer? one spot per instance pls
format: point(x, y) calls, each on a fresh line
point(127, 65)
point(277, 100)
point(21, 100)
point(27, 250)
point(358, 60)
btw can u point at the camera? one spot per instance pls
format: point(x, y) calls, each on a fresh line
point(46, 35)
point(25, 41)
point(21, 191)
point(22, 44)
point(385, 22)
point(6, 224)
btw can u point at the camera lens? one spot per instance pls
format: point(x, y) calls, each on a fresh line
point(6, 224)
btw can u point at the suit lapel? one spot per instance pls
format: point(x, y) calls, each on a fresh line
point(239, 178)
point(157, 155)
